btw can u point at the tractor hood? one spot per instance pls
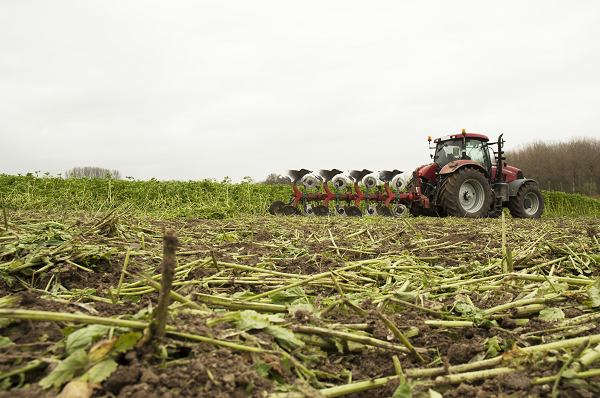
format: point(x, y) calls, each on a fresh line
point(428, 171)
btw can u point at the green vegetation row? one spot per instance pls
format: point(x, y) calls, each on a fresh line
point(208, 198)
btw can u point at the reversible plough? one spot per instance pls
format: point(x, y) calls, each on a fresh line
point(382, 195)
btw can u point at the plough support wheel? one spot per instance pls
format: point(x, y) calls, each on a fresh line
point(353, 211)
point(275, 208)
point(321, 211)
point(289, 210)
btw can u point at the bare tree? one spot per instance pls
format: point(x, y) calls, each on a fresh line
point(274, 178)
point(92, 172)
point(572, 166)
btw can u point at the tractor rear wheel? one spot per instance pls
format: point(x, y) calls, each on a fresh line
point(528, 202)
point(466, 193)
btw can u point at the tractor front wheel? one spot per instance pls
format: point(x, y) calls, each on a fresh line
point(528, 202)
point(466, 193)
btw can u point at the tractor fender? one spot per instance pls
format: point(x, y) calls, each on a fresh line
point(457, 164)
point(514, 185)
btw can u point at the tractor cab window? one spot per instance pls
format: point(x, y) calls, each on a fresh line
point(446, 152)
point(477, 151)
point(451, 150)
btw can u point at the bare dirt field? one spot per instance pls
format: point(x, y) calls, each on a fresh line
point(294, 307)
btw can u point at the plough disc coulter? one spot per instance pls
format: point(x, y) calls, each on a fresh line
point(333, 193)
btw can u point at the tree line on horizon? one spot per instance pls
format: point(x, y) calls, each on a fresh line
point(92, 172)
point(572, 166)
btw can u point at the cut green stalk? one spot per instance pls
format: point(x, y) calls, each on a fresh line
point(66, 317)
point(566, 365)
point(504, 251)
point(240, 305)
point(400, 336)
point(123, 271)
point(398, 367)
point(30, 366)
point(4, 213)
point(355, 307)
point(173, 295)
point(549, 300)
point(350, 337)
point(239, 347)
point(305, 281)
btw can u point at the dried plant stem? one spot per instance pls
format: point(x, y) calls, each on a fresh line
point(168, 269)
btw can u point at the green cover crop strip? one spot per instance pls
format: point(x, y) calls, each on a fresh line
point(207, 199)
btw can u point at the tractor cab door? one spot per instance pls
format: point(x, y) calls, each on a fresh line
point(477, 151)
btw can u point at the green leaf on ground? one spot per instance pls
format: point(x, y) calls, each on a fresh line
point(262, 368)
point(403, 391)
point(468, 310)
point(83, 337)
point(405, 296)
point(102, 370)
point(551, 314)
point(5, 341)
point(250, 319)
point(65, 370)
point(7, 278)
point(285, 338)
point(287, 296)
point(492, 347)
point(297, 306)
point(126, 342)
point(594, 293)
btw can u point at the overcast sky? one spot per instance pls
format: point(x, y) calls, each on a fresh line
point(187, 90)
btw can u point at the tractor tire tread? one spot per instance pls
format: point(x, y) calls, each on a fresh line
point(449, 196)
point(515, 203)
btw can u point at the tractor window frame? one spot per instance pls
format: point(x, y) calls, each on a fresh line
point(451, 150)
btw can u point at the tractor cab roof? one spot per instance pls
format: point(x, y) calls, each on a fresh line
point(455, 136)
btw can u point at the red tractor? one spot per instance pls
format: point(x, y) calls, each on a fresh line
point(463, 181)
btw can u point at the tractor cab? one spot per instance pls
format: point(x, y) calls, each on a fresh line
point(473, 147)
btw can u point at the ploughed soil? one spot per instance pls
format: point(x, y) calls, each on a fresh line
point(298, 246)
